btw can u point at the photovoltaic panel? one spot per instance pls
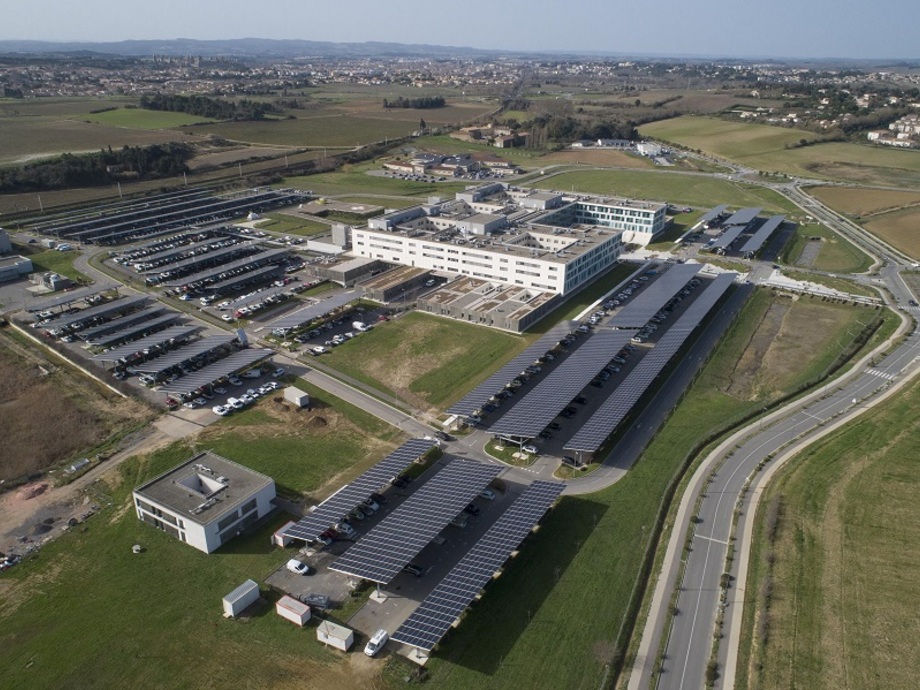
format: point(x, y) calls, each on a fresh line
point(248, 276)
point(437, 613)
point(337, 506)
point(727, 237)
point(174, 357)
point(712, 214)
point(650, 300)
point(536, 409)
point(163, 336)
point(608, 416)
point(256, 259)
point(763, 234)
point(71, 297)
point(132, 332)
point(480, 395)
point(209, 374)
point(120, 304)
point(207, 257)
point(120, 322)
point(302, 317)
point(742, 217)
point(383, 552)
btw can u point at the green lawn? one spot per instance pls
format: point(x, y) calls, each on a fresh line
point(138, 118)
point(339, 130)
point(839, 567)
point(351, 180)
point(291, 225)
point(837, 254)
point(59, 262)
point(439, 359)
point(675, 188)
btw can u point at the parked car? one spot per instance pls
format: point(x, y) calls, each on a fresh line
point(414, 569)
point(487, 494)
point(299, 567)
point(530, 449)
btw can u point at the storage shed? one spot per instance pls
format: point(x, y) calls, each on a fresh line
point(335, 635)
point(292, 394)
point(293, 610)
point(279, 538)
point(241, 598)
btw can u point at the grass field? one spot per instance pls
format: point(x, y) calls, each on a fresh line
point(439, 359)
point(138, 118)
point(292, 225)
point(602, 157)
point(900, 229)
point(836, 564)
point(864, 203)
point(836, 253)
point(313, 131)
point(52, 260)
point(559, 624)
point(764, 147)
point(676, 188)
point(352, 180)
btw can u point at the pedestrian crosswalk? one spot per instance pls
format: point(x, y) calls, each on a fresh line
point(881, 374)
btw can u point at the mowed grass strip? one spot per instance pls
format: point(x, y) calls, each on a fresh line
point(835, 253)
point(832, 581)
point(552, 619)
point(426, 360)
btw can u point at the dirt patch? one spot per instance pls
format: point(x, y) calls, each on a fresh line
point(809, 254)
point(603, 157)
point(744, 376)
point(51, 414)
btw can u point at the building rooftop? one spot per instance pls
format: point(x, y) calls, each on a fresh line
point(204, 487)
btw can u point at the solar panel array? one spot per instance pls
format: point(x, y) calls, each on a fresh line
point(337, 506)
point(383, 552)
point(209, 257)
point(122, 322)
point(72, 296)
point(711, 214)
point(649, 302)
point(304, 316)
point(248, 276)
point(535, 410)
point(614, 410)
point(171, 359)
point(437, 613)
point(214, 271)
point(209, 374)
point(131, 332)
point(129, 349)
point(480, 395)
point(742, 217)
point(727, 237)
point(102, 310)
point(763, 234)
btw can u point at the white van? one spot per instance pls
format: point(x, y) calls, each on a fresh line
point(377, 642)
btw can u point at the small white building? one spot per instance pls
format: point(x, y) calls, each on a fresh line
point(241, 598)
point(279, 538)
point(335, 635)
point(293, 610)
point(205, 501)
point(293, 394)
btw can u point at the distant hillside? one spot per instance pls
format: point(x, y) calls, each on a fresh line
point(242, 47)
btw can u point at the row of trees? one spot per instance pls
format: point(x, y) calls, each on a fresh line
point(95, 169)
point(212, 108)
point(420, 103)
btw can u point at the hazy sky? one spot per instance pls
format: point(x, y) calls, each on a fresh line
point(781, 28)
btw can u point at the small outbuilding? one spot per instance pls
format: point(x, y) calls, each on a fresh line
point(335, 635)
point(279, 538)
point(293, 610)
point(241, 598)
point(293, 394)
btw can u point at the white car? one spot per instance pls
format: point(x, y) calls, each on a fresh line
point(299, 567)
point(279, 372)
point(228, 318)
point(220, 410)
point(487, 494)
point(530, 449)
point(318, 350)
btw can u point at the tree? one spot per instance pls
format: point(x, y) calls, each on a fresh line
point(421, 125)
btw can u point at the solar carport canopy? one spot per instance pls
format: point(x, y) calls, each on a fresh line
point(160, 364)
point(535, 410)
point(742, 217)
point(163, 336)
point(712, 214)
point(608, 416)
point(116, 305)
point(763, 234)
point(209, 374)
point(337, 506)
point(132, 332)
point(215, 271)
point(72, 296)
point(90, 334)
point(383, 552)
point(727, 237)
point(480, 395)
point(301, 317)
point(248, 276)
point(649, 302)
point(437, 613)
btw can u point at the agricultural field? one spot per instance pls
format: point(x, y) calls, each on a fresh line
point(214, 157)
point(765, 148)
point(332, 130)
point(900, 229)
point(139, 118)
point(835, 546)
point(439, 359)
point(864, 203)
point(601, 157)
point(39, 393)
point(676, 188)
